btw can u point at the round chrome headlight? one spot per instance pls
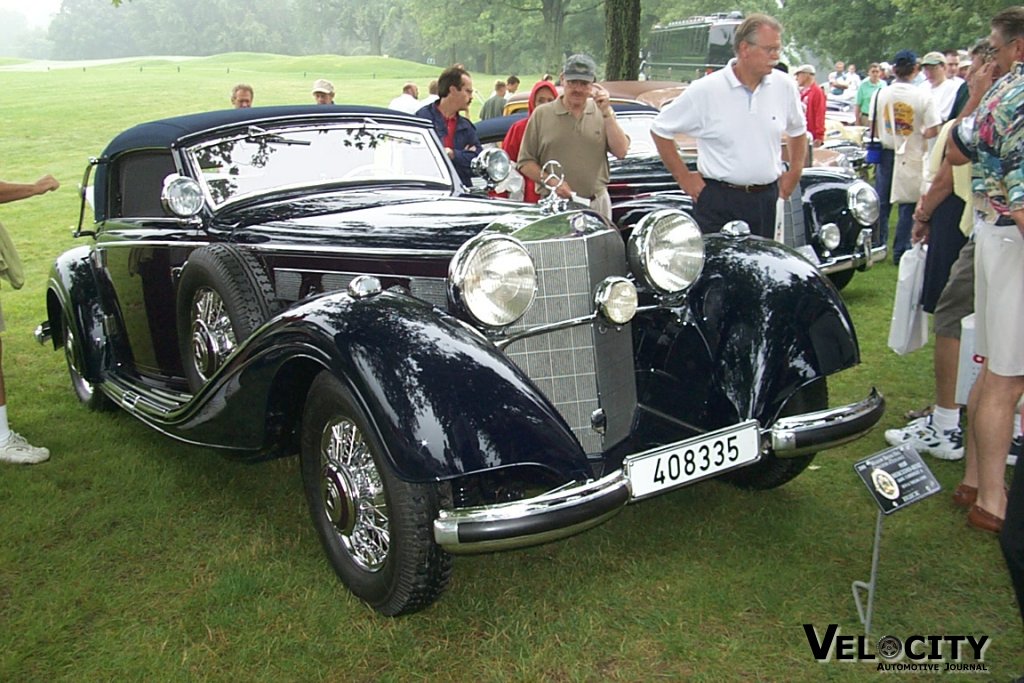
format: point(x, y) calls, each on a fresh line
point(181, 196)
point(616, 300)
point(829, 236)
point(492, 163)
point(863, 202)
point(493, 279)
point(666, 250)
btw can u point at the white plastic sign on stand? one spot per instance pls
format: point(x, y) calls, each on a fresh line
point(896, 478)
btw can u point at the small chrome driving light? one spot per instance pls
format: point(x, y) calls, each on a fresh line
point(616, 300)
point(493, 279)
point(181, 196)
point(666, 250)
point(492, 164)
point(863, 202)
point(829, 236)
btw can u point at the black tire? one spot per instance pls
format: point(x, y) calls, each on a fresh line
point(87, 393)
point(376, 529)
point(841, 278)
point(772, 471)
point(224, 294)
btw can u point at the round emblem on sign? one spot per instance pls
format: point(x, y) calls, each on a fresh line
point(885, 484)
point(889, 647)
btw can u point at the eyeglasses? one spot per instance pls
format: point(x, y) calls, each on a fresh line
point(771, 50)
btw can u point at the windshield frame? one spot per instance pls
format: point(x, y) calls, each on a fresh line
point(289, 134)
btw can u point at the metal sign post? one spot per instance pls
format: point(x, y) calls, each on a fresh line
point(896, 478)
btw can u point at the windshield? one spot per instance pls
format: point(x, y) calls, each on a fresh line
point(262, 160)
point(638, 128)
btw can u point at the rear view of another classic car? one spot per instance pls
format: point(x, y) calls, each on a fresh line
point(456, 374)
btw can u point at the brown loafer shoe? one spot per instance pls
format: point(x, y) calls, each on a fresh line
point(980, 518)
point(965, 496)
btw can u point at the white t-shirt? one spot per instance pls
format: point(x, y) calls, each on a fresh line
point(407, 103)
point(739, 132)
point(944, 95)
point(906, 110)
point(854, 84)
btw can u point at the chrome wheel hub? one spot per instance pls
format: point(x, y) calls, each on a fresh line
point(213, 338)
point(353, 494)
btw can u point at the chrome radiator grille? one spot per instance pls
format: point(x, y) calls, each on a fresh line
point(583, 368)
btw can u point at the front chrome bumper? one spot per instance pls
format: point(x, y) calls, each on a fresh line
point(862, 258)
point(576, 507)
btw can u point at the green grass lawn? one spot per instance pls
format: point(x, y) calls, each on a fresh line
point(130, 556)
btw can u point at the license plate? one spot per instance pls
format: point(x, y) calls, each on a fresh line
point(677, 464)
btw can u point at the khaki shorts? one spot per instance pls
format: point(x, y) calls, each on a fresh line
point(957, 299)
point(999, 298)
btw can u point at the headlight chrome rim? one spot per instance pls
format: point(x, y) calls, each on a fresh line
point(492, 163)
point(666, 251)
point(862, 201)
point(493, 279)
point(616, 300)
point(829, 236)
point(181, 196)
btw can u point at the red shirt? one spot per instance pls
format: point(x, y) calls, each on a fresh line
point(813, 100)
point(452, 121)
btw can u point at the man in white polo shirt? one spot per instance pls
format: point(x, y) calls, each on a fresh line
point(738, 116)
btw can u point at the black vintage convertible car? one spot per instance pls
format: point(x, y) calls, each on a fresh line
point(457, 374)
point(832, 219)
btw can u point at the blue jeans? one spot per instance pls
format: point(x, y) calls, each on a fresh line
point(883, 185)
point(905, 212)
point(904, 224)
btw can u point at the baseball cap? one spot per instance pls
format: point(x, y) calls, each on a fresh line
point(580, 68)
point(933, 59)
point(903, 58)
point(805, 69)
point(323, 85)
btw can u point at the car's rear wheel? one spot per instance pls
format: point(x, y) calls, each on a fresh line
point(88, 394)
point(224, 294)
point(772, 471)
point(376, 529)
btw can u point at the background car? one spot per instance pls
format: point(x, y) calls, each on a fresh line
point(457, 374)
point(832, 220)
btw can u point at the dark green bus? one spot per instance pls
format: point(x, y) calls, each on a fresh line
point(690, 48)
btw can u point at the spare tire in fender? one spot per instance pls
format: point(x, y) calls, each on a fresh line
point(224, 294)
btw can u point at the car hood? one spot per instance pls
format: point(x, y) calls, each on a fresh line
point(380, 220)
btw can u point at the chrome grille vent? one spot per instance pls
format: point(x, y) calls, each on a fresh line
point(566, 364)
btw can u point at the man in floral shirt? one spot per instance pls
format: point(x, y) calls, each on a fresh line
point(994, 140)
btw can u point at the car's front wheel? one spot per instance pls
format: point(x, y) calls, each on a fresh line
point(376, 529)
point(772, 471)
point(841, 278)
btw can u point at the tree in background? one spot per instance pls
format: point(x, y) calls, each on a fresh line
point(622, 39)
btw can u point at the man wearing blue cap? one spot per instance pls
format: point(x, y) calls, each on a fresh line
point(906, 119)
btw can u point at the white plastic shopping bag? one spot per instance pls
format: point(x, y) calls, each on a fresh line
point(908, 330)
point(969, 367)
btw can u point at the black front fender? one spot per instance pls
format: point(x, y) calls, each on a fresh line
point(445, 401)
point(760, 323)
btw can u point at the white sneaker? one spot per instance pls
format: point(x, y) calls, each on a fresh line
point(925, 438)
point(1016, 447)
point(19, 451)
